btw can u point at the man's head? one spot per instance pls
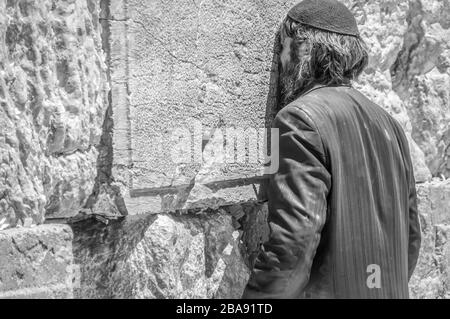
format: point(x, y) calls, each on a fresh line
point(320, 45)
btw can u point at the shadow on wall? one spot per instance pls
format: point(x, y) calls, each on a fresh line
point(272, 104)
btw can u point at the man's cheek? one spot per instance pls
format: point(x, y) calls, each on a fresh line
point(285, 55)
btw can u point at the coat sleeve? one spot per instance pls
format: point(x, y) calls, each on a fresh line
point(297, 195)
point(415, 236)
point(414, 229)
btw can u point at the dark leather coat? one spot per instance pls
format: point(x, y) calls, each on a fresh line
point(342, 206)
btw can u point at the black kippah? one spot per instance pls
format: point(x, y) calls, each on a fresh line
point(329, 15)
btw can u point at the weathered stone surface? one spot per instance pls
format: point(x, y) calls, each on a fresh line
point(36, 262)
point(421, 76)
point(431, 278)
point(52, 102)
point(213, 66)
point(160, 256)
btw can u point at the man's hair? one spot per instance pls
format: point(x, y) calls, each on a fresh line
point(332, 58)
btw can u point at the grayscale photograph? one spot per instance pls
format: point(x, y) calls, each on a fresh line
point(233, 150)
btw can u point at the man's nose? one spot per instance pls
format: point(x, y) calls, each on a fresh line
point(285, 52)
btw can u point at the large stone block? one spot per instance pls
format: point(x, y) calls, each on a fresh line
point(160, 256)
point(36, 262)
point(52, 97)
point(174, 64)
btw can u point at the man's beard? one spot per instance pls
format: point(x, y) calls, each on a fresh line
point(295, 79)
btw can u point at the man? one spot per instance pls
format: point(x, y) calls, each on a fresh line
point(342, 206)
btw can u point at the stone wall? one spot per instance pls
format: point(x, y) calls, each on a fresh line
point(53, 98)
point(140, 225)
point(52, 94)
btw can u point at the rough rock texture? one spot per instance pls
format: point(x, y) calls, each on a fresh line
point(52, 103)
point(421, 77)
point(36, 262)
point(160, 256)
point(432, 276)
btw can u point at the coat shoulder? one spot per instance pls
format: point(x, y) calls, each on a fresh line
point(294, 112)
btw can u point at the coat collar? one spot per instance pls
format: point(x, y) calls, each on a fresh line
point(319, 86)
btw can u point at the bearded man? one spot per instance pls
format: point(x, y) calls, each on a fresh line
point(342, 206)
